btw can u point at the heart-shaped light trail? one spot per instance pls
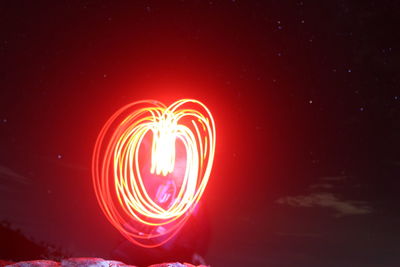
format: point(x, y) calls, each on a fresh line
point(151, 164)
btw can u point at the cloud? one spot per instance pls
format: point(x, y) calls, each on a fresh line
point(292, 234)
point(334, 178)
point(327, 200)
point(324, 186)
point(7, 173)
point(9, 179)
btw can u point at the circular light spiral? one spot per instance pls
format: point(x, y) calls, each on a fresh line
point(137, 185)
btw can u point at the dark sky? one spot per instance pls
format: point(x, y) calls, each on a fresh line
point(306, 99)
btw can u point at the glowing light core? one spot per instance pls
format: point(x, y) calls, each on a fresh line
point(122, 188)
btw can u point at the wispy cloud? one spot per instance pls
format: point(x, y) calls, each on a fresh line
point(9, 179)
point(327, 200)
point(334, 178)
point(322, 185)
point(8, 174)
point(293, 234)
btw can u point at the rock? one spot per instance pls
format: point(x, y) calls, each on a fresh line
point(36, 263)
point(82, 262)
point(86, 262)
point(91, 262)
point(173, 264)
point(5, 263)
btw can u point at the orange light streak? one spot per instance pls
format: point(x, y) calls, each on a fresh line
point(117, 167)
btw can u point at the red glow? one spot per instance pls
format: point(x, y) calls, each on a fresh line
point(148, 215)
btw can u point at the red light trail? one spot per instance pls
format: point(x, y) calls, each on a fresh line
point(148, 194)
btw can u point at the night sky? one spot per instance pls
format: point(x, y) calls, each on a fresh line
point(306, 99)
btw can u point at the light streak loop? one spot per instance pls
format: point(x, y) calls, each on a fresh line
point(117, 169)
